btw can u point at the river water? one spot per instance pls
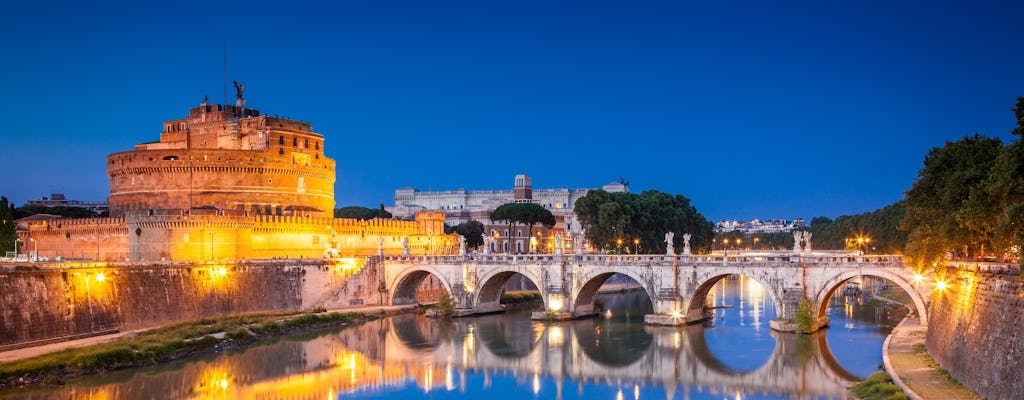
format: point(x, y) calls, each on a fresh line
point(735, 355)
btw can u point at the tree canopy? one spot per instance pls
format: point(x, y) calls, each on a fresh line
point(7, 229)
point(472, 231)
point(65, 211)
point(880, 227)
point(362, 213)
point(644, 218)
point(529, 214)
point(968, 199)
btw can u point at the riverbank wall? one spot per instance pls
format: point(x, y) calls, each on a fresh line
point(45, 303)
point(974, 328)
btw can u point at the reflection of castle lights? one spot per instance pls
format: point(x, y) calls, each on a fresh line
point(636, 392)
point(536, 383)
point(618, 396)
point(677, 339)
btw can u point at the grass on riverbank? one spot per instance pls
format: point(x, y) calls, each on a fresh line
point(164, 344)
point(878, 386)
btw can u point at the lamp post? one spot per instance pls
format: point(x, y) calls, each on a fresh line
point(756, 239)
point(35, 249)
point(618, 245)
point(636, 246)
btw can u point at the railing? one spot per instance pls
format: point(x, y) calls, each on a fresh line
point(648, 259)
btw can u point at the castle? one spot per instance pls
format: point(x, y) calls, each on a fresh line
point(227, 182)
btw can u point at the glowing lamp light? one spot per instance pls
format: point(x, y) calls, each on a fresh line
point(676, 314)
point(221, 271)
point(223, 383)
point(918, 278)
point(556, 303)
point(100, 277)
point(941, 285)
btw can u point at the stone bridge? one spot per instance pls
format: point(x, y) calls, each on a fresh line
point(678, 286)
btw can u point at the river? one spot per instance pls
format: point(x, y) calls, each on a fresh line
point(735, 355)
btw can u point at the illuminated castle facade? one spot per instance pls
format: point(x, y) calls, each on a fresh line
point(227, 182)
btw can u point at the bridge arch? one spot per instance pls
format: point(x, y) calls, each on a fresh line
point(583, 296)
point(830, 287)
point(405, 287)
point(695, 304)
point(492, 285)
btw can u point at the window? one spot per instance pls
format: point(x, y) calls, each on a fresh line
point(295, 142)
point(317, 145)
point(280, 140)
point(305, 144)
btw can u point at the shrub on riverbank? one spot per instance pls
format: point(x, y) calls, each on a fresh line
point(878, 386)
point(517, 297)
point(164, 344)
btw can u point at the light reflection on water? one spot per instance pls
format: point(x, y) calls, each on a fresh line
point(506, 356)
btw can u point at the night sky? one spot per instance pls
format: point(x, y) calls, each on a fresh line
point(751, 110)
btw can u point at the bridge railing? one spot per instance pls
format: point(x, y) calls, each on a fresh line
point(651, 259)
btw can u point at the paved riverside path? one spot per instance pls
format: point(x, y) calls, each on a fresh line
point(35, 351)
point(914, 370)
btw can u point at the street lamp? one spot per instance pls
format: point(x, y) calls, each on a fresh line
point(739, 243)
point(618, 245)
point(636, 245)
point(756, 239)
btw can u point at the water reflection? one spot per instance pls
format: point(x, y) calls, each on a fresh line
point(508, 356)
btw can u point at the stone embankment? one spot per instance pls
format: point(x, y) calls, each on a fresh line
point(974, 332)
point(46, 303)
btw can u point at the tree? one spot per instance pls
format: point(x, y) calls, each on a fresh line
point(529, 214)
point(361, 213)
point(65, 211)
point(641, 220)
point(949, 176)
point(7, 229)
point(472, 231)
point(881, 227)
point(445, 305)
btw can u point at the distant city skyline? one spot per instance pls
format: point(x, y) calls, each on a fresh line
point(750, 110)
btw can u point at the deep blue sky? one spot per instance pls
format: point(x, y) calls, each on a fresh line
point(751, 110)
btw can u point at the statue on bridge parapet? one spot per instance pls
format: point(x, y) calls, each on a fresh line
point(487, 243)
point(380, 246)
point(671, 248)
point(558, 244)
point(405, 245)
point(797, 236)
point(807, 242)
point(462, 245)
point(686, 244)
point(579, 243)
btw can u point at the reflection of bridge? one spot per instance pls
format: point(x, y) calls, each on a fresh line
point(677, 285)
point(800, 366)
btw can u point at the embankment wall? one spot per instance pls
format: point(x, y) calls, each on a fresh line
point(976, 329)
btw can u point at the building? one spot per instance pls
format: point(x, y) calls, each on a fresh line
point(59, 200)
point(228, 182)
point(463, 205)
point(755, 226)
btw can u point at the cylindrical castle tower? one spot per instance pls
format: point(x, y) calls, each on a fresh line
point(228, 158)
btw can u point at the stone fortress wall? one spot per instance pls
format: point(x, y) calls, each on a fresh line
point(975, 329)
point(160, 235)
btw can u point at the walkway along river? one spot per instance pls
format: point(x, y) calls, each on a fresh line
point(735, 355)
